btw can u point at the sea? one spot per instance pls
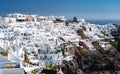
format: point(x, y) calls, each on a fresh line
point(103, 22)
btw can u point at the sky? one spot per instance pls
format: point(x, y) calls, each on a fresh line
point(88, 9)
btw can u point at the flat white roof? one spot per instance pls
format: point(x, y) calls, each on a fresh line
point(3, 59)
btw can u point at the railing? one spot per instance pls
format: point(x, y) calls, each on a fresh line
point(12, 71)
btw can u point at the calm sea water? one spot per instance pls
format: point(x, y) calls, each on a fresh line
point(103, 22)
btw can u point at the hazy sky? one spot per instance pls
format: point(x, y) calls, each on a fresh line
point(89, 9)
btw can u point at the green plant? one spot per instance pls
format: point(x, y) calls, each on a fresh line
point(50, 66)
point(63, 50)
point(114, 44)
point(34, 72)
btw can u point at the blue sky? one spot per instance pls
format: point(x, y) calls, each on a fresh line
point(88, 9)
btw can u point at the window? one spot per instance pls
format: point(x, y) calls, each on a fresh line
point(47, 35)
point(19, 16)
point(21, 33)
point(24, 38)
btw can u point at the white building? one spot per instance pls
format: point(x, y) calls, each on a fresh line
point(6, 32)
point(9, 19)
point(8, 67)
point(18, 16)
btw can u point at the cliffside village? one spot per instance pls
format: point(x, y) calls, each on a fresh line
point(28, 42)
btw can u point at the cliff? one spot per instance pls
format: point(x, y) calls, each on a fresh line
point(95, 62)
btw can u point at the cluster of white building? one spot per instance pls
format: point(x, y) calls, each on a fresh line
point(43, 38)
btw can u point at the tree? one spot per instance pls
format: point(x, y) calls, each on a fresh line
point(26, 59)
point(63, 50)
point(75, 19)
point(67, 23)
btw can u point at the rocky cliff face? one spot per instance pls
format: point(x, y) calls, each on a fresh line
point(95, 62)
point(116, 34)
